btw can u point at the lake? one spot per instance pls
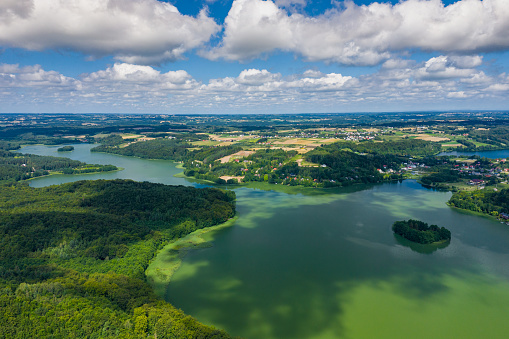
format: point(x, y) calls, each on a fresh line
point(328, 265)
point(160, 171)
point(499, 154)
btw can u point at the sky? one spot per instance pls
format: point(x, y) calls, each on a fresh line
point(253, 56)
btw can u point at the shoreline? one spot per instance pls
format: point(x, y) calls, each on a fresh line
point(168, 260)
point(298, 189)
point(61, 173)
point(482, 214)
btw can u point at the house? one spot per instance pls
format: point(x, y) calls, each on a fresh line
point(476, 182)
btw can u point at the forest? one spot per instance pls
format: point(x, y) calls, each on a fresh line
point(489, 202)
point(403, 147)
point(73, 256)
point(420, 232)
point(163, 148)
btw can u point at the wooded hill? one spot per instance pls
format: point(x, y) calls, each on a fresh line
point(488, 202)
point(72, 257)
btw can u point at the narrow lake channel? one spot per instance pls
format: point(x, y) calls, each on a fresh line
point(328, 265)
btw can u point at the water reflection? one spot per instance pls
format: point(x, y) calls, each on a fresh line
point(421, 248)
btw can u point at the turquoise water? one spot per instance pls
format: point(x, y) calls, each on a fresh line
point(329, 266)
point(486, 154)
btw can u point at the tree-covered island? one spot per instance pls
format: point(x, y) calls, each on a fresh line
point(66, 149)
point(420, 232)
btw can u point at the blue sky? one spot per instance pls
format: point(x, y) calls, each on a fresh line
point(253, 56)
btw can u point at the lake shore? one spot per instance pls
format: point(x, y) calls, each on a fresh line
point(169, 259)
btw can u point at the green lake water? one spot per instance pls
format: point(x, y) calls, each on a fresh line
point(160, 171)
point(328, 265)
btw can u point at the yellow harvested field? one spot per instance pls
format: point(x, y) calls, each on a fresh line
point(227, 177)
point(131, 136)
point(226, 143)
point(75, 136)
point(237, 155)
point(431, 138)
point(205, 143)
point(300, 150)
point(452, 145)
point(232, 138)
point(466, 161)
point(307, 142)
point(329, 141)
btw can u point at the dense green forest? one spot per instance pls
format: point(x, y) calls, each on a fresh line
point(489, 202)
point(420, 232)
point(403, 147)
point(72, 257)
point(168, 149)
point(17, 166)
point(9, 145)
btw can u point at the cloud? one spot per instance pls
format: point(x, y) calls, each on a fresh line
point(457, 95)
point(125, 87)
point(137, 31)
point(367, 34)
point(442, 67)
point(138, 78)
point(466, 61)
point(10, 9)
point(12, 76)
point(255, 77)
point(499, 87)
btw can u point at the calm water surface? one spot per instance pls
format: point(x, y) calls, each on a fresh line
point(329, 266)
point(160, 171)
point(486, 154)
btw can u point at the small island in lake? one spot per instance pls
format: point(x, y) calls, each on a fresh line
point(420, 232)
point(66, 149)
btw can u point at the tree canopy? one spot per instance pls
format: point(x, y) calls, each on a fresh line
point(420, 232)
point(73, 257)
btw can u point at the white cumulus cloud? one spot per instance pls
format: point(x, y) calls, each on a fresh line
point(34, 76)
point(125, 87)
point(136, 78)
point(135, 31)
point(367, 34)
